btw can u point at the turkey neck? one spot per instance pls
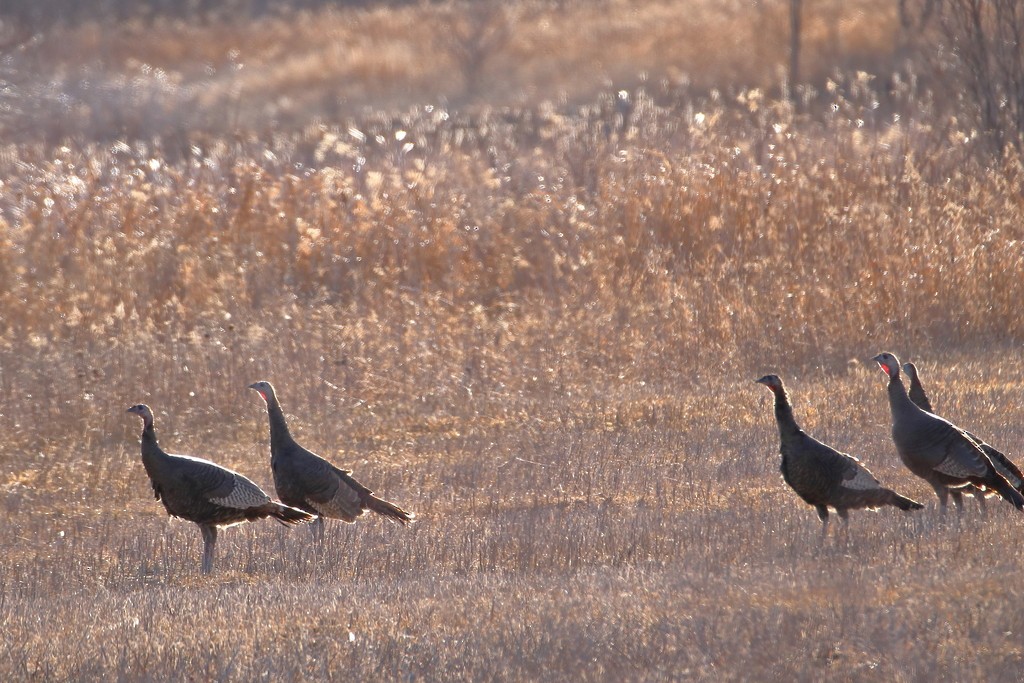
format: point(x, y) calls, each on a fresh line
point(280, 438)
point(152, 455)
point(918, 395)
point(898, 399)
point(784, 414)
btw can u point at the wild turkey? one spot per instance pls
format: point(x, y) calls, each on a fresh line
point(935, 449)
point(917, 393)
point(308, 482)
point(821, 475)
point(204, 492)
point(1009, 471)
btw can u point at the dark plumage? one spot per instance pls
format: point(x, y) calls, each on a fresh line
point(308, 482)
point(935, 449)
point(821, 475)
point(1006, 467)
point(917, 393)
point(204, 492)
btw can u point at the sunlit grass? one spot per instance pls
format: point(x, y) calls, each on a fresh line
point(142, 78)
point(537, 327)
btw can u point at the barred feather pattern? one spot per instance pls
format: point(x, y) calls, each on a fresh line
point(822, 476)
point(935, 449)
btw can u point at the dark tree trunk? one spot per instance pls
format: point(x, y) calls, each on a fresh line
point(795, 16)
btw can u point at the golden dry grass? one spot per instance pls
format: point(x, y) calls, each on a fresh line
point(537, 327)
point(175, 78)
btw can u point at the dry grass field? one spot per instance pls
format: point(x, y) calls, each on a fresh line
point(532, 313)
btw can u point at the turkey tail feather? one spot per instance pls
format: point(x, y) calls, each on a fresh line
point(289, 515)
point(1004, 489)
point(382, 507)
point(1004, 466)
point(903, 503)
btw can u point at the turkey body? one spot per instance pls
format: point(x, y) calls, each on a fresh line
point(1006, 467)
point(306, 481)
point(822, 476)
point(203, 492)
point(935, 449)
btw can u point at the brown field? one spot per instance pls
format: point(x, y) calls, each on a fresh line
point(525, 308)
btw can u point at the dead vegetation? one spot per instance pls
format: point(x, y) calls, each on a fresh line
point(536, 326)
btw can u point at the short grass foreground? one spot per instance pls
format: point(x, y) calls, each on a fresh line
point(648, 535)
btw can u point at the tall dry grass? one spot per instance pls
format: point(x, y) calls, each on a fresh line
point(537, 327)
